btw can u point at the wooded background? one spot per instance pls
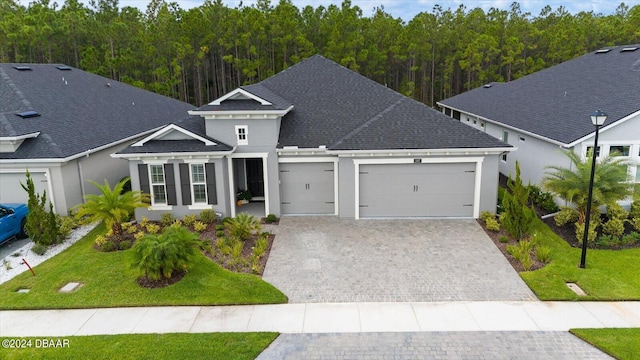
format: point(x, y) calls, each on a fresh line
point(199, 54)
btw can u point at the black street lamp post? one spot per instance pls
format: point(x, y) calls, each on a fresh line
point(597, 118)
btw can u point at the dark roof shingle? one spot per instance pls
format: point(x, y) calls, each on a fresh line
point(79, 111)
point(556, 103)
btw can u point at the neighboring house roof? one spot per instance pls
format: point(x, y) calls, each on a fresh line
point(556, 103)
point(79, 111)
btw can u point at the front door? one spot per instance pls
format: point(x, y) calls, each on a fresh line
point(255, 177)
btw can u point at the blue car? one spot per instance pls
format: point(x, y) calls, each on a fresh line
point(13, 218)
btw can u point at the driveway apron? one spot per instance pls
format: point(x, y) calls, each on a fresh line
point(327, 259)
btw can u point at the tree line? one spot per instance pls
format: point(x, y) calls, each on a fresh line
point(199, 54)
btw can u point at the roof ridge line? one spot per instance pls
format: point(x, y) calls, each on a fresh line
point(368, 122)
point(14, 87)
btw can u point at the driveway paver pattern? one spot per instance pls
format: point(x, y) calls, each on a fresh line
point(327, 259)
point(431, 345)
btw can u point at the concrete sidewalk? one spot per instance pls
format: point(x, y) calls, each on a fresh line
point(325, 318)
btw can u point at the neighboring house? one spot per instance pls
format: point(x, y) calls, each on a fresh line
point(549, 111)
point(61, 124)
point(317, 138)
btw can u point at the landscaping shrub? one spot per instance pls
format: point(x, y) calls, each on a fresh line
point(153, 228)
point(176, 223)
point(614, 227)
point(271, 218)
point(615, 211)
point(199, 226)
point(565, 216)
point(503, 239)
point(208, 216)
point(543, 253)
point(108, 246)
point(492, 224)
point(100, 239)
point(607, 241)
point(517, 217)
point(125, 244)
point(522, 253)
point(188, 220)
point(261, 246)
point(630, 239)
point(487, 215)
point(41, 225)
point(65, 225)
point(220, 233)
point(219, 227)
point(591, 237)
point(39, 248)
point(161, 255)
point(166, 219)
point(543, 199)
point(144, 222)
point(635, 209)
point(635, 222)
point(139, 235)
point(242, 226)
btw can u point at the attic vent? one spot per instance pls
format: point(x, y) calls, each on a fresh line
point(22, 68)
point(486, 86)
point(629, 49)
point(63, 68)
point(28, 114)
point(602, 51)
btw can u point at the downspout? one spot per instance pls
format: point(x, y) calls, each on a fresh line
point(81, 175)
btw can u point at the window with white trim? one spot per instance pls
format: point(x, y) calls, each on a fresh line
point(619, 150)
point(198, 184)
point(158, 186)
point(242, 133)
point(590, 150)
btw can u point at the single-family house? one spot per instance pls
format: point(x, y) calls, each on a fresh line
point(61, 124)
point(317, 138)
point(549, 111)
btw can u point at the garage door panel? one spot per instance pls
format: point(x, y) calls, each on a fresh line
point(12, 192)
point(307, 188)
point(417, 190)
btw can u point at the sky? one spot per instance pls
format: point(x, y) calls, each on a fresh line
point(407, 9)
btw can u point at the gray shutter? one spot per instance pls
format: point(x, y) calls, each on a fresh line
point(212, 193)
point(170, 183)
point(185, 184)
point(143, 175)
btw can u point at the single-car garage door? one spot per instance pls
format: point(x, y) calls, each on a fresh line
point(417, 190)
point(12, 192)
point(307, 188)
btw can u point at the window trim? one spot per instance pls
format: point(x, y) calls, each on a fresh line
point(152, 184)
point(193, 183)
point(621, 153)
point(242, 134)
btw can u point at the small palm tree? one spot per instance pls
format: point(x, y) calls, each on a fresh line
point(572, 184)
point(112, 206)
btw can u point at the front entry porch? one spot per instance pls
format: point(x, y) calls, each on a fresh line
point(249, 184)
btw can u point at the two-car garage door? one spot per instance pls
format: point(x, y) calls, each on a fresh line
point(417, 190)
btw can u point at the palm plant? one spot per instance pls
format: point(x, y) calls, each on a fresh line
point(162, 255)
point(572, 184)
point(112, 206)
point(242, 226)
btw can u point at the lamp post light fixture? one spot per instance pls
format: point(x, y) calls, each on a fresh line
point(597, 118)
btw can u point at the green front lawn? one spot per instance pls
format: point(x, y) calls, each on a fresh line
point(623, 344)
point(110, 281)
point(233, 346)
point(610, 274)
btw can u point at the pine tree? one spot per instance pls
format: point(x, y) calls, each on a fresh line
point(517, 216)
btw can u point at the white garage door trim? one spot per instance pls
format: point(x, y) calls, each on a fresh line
point(476, 160)
point(47, 174)
point(319, 160)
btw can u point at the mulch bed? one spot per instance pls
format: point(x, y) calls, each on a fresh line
point(162, 282)
point(503, 248)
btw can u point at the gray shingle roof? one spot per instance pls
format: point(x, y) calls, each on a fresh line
point(193, 124)
point(556, 103)
point(344, 110)
point(79, 111)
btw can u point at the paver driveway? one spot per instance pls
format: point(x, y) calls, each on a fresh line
point(326, 259)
